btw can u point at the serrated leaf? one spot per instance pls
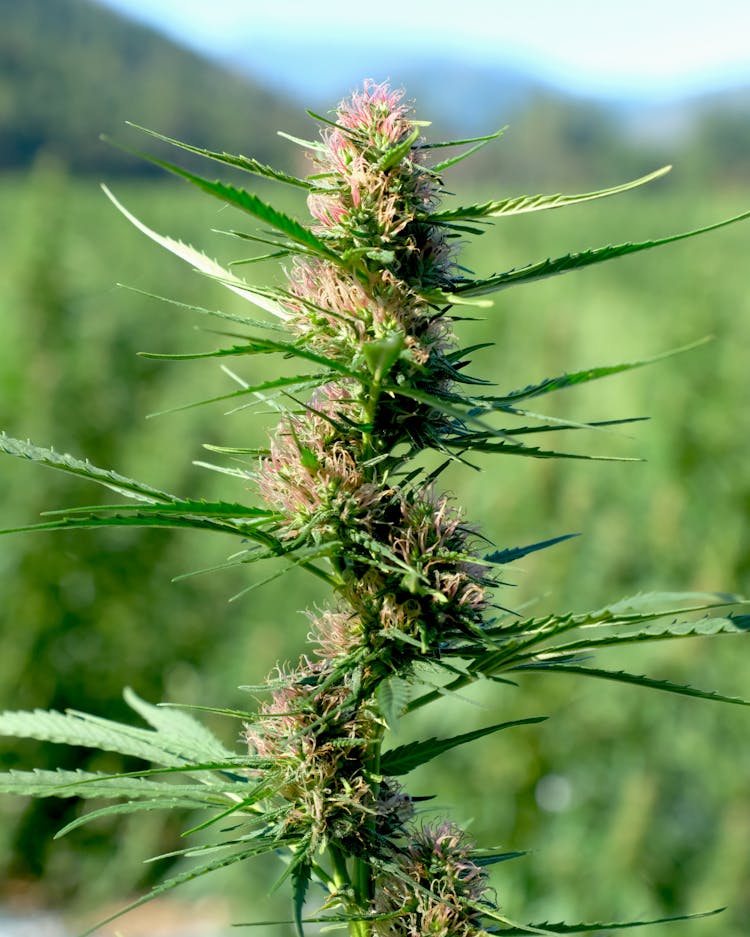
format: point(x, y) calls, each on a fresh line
point(392, 696)
point(301, 382)
point(246, 163)
point(195, 739)
point(132, 806)
point(566, 263)
point(563, 928)
point(664, 603)
point(558, 425)
point(170, 883)
point(203, 263)
point(84, 469)
point(60, 783)
point(252, 205)
point(574, 378)
point(455, 356)
point(73, 728)
point(477, 443)
point(406, 758)
point(522, 204)
point(622, 676)
point(705, 627)
point(248, 321)
point(308, 144)
point(261, 346)
point(228, 510)
point(156, 519)
point(631, 611)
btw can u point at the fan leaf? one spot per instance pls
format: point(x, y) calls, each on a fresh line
point(566, 263)
point(246, 163)
point(194, 738)
point(621, 676)
point(298, 233)
point(406, 758)
point(527, 203)
point(204, 264)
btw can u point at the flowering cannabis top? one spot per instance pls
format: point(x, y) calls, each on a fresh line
point(368, 308)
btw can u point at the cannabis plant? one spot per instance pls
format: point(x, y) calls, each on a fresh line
point(349, 489)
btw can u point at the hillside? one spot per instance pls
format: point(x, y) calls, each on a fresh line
point(71, 70)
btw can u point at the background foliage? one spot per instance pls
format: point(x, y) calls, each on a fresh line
point(646, 795)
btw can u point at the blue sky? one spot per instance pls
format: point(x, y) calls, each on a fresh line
point(648, 48)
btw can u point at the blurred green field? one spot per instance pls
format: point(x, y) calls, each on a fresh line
point(634, 804)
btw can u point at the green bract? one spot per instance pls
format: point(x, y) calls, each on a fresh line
point(368, 310)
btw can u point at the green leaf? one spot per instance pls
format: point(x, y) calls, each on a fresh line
point(261, 346)
point(563, 928)
point(559, 425)
point(396, 153)
point(383, 353)
point(206, 509)
point(307, 144)
point(181, 879)
point(455, 356)
point(551, 384)
point(528, 203)
point(622, 676)
point(73, 728)
point(478, 442)
point(549, 268)
point(392, 696)
point(246, 163)
point(260, 258)
point(131, 806)
point(631, 611)
point(406, 758)
point(61, 783)
point(446, 163)
point(514, 553)
point(156, 519)
point(194, 739)
point(217, 313)
point(283, 247)
point(485, 857)
point(732, 624)
point(302, 381)
point(645, 605)
point(84, 469)
point(204, 264)
point(300, 880)
point(170, 749)
point(444, 143)
point(252, 205)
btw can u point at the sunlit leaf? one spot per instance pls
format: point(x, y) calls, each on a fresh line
point(527, 203)
point(246, 163)
point(548, 268)
point(204, 264)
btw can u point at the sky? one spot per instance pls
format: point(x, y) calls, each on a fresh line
point(648, 48)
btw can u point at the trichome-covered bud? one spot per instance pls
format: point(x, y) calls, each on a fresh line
point(432, 887)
